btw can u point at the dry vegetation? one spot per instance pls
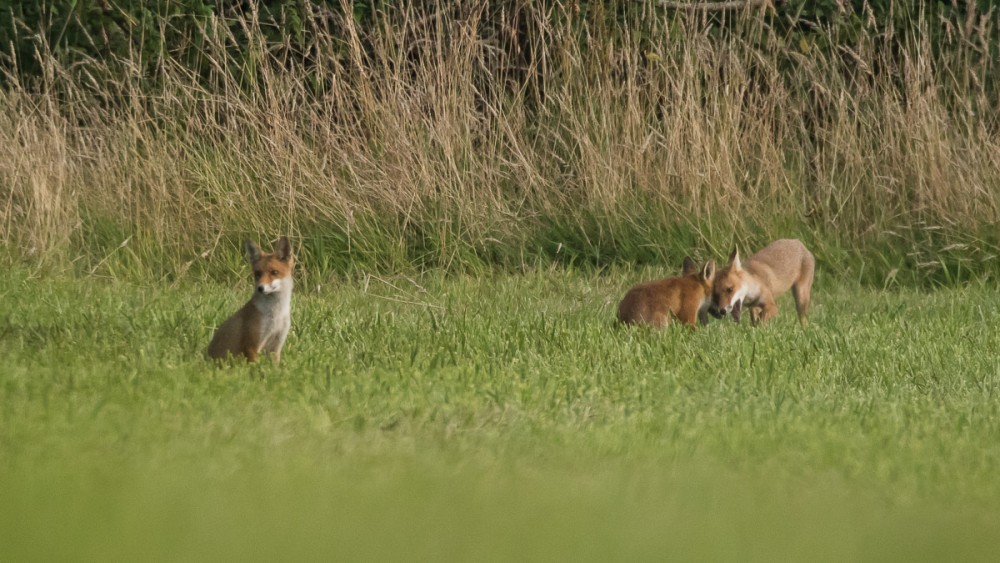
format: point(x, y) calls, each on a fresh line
point(427, 143)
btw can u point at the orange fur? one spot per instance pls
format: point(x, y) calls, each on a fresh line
point(781, 265)
point(263, 323)
point(685, 298)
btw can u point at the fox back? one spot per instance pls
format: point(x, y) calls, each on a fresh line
point(263, 323)
point(685, 298)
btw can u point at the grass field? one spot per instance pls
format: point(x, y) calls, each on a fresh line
point(529, 157)
point(495, 418)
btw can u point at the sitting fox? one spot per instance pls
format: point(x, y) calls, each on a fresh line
point(262, 324)
point(686, 298)
point(783, 264)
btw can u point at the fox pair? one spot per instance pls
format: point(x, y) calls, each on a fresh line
point(698, 292)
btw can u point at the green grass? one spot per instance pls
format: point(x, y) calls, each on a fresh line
point(495, 418)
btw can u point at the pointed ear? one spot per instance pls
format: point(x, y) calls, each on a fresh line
point(734, 260)
point(252, 251)
point(283, 250)
point(708, 271)
point(689, 266)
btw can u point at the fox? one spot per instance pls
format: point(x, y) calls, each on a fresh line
point(685, 298)
point(263, 323)
point(781, 265)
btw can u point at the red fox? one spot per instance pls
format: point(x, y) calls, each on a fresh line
point(685, 297)
point(262, 324)
point(783, 264)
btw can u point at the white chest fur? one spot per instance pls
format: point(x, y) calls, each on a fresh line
point(275, 317)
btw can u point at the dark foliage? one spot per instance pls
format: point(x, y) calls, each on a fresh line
point(145, 32)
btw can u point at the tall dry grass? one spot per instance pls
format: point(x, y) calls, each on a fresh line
point(424, 142)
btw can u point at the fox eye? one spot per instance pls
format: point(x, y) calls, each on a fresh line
point(729, 290)
point(274, 272)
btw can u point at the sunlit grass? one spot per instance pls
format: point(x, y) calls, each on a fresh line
point(495, 418)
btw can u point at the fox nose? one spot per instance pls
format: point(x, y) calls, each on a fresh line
point(260, 289)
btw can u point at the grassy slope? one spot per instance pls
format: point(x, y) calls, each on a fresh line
point(495, 418)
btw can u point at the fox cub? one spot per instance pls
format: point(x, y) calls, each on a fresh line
point(783, 264)
point(262, 324)
point(686, 298)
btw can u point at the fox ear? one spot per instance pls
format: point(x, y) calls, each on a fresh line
point(734, 259)
point(252, 251)
point(708, 271)
point(283, 250)
point(689, 266)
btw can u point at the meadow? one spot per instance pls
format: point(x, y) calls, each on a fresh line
point(470, 187)
point(495, 418)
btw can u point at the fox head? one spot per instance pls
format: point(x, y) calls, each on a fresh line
point(705, 276)
point(272, 272)
point(729, 288)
